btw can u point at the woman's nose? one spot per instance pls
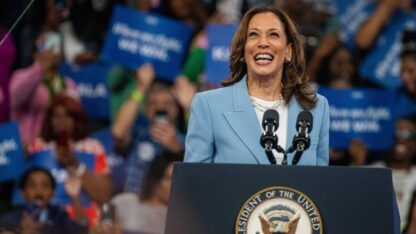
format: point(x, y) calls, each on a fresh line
point(263, 42)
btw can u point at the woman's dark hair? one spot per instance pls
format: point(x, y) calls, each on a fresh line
point(295, 81)
point(29, 172)
point(157, 171)
point(74, 109)
point(324, 76)
point(409, 44)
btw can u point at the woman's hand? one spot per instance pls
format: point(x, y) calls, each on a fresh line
point(66, 157)
point(47, 59)
point(164, 133)
point(145, 75)
point(73, 186)
point(184, 91)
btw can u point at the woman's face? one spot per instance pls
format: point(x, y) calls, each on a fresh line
point(341, 65)
point(38, 189)
point(405, 142)
point(408, 74)
point(266, 47)
point(62, 122)
point(161, 100)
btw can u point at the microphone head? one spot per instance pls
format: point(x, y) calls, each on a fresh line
point(305, 117)
point(270, 116)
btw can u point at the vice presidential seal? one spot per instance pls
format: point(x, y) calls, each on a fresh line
point(279, 210)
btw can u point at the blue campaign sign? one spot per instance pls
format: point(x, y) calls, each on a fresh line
point(351, 15)
point(382, 63)
point(46, 159)
point(91, 83)
point(135, 38)
point(11, 152)
point(217, 56)
point(105, 137)
point(362, 114)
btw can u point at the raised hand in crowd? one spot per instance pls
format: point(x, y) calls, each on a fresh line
point(326, 46)
point(145, 75)
point(127, 113)
point(73, 187)
point(184, 91)
point(47, 59)
point(368, 33)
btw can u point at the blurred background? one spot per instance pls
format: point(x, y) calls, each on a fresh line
point(95, 96)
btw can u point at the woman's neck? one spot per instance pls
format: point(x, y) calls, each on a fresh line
point(268, 89)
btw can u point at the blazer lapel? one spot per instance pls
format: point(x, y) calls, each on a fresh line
point(243, 121)
point(293, 111)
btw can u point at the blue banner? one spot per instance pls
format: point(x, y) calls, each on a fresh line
point(217, 59)
point(105, 137)
point(91, 83)
point(46, 159)
point(351, 15)
point(11, 152)
point(135, 38)
point(382, 64)
point(362, 114)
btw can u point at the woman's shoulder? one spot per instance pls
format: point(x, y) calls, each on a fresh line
point(219, 94)
point(321, 99)
point(215, 99)
point(90, 145)
point(39, 144)
point(125, 198)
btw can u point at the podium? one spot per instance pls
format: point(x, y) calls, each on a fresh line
point(233, 198)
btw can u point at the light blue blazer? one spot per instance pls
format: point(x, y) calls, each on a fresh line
point(223, 128)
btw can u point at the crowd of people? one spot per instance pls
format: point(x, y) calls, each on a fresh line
point(128, 180)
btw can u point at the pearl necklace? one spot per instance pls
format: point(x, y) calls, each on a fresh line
point(275, 104)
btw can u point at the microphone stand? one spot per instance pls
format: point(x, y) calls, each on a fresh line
point(279, 149)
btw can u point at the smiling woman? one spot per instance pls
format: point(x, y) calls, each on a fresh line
point(267, 66)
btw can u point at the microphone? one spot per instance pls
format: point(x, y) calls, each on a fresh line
point(270, 125)
point(269, 138)
point(302, 141)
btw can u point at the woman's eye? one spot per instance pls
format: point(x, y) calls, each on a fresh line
point(252, 34)
point(274, 34)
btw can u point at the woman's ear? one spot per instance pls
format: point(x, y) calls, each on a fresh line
point(288, 54)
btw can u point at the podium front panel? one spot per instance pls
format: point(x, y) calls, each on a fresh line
point(207, 198)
